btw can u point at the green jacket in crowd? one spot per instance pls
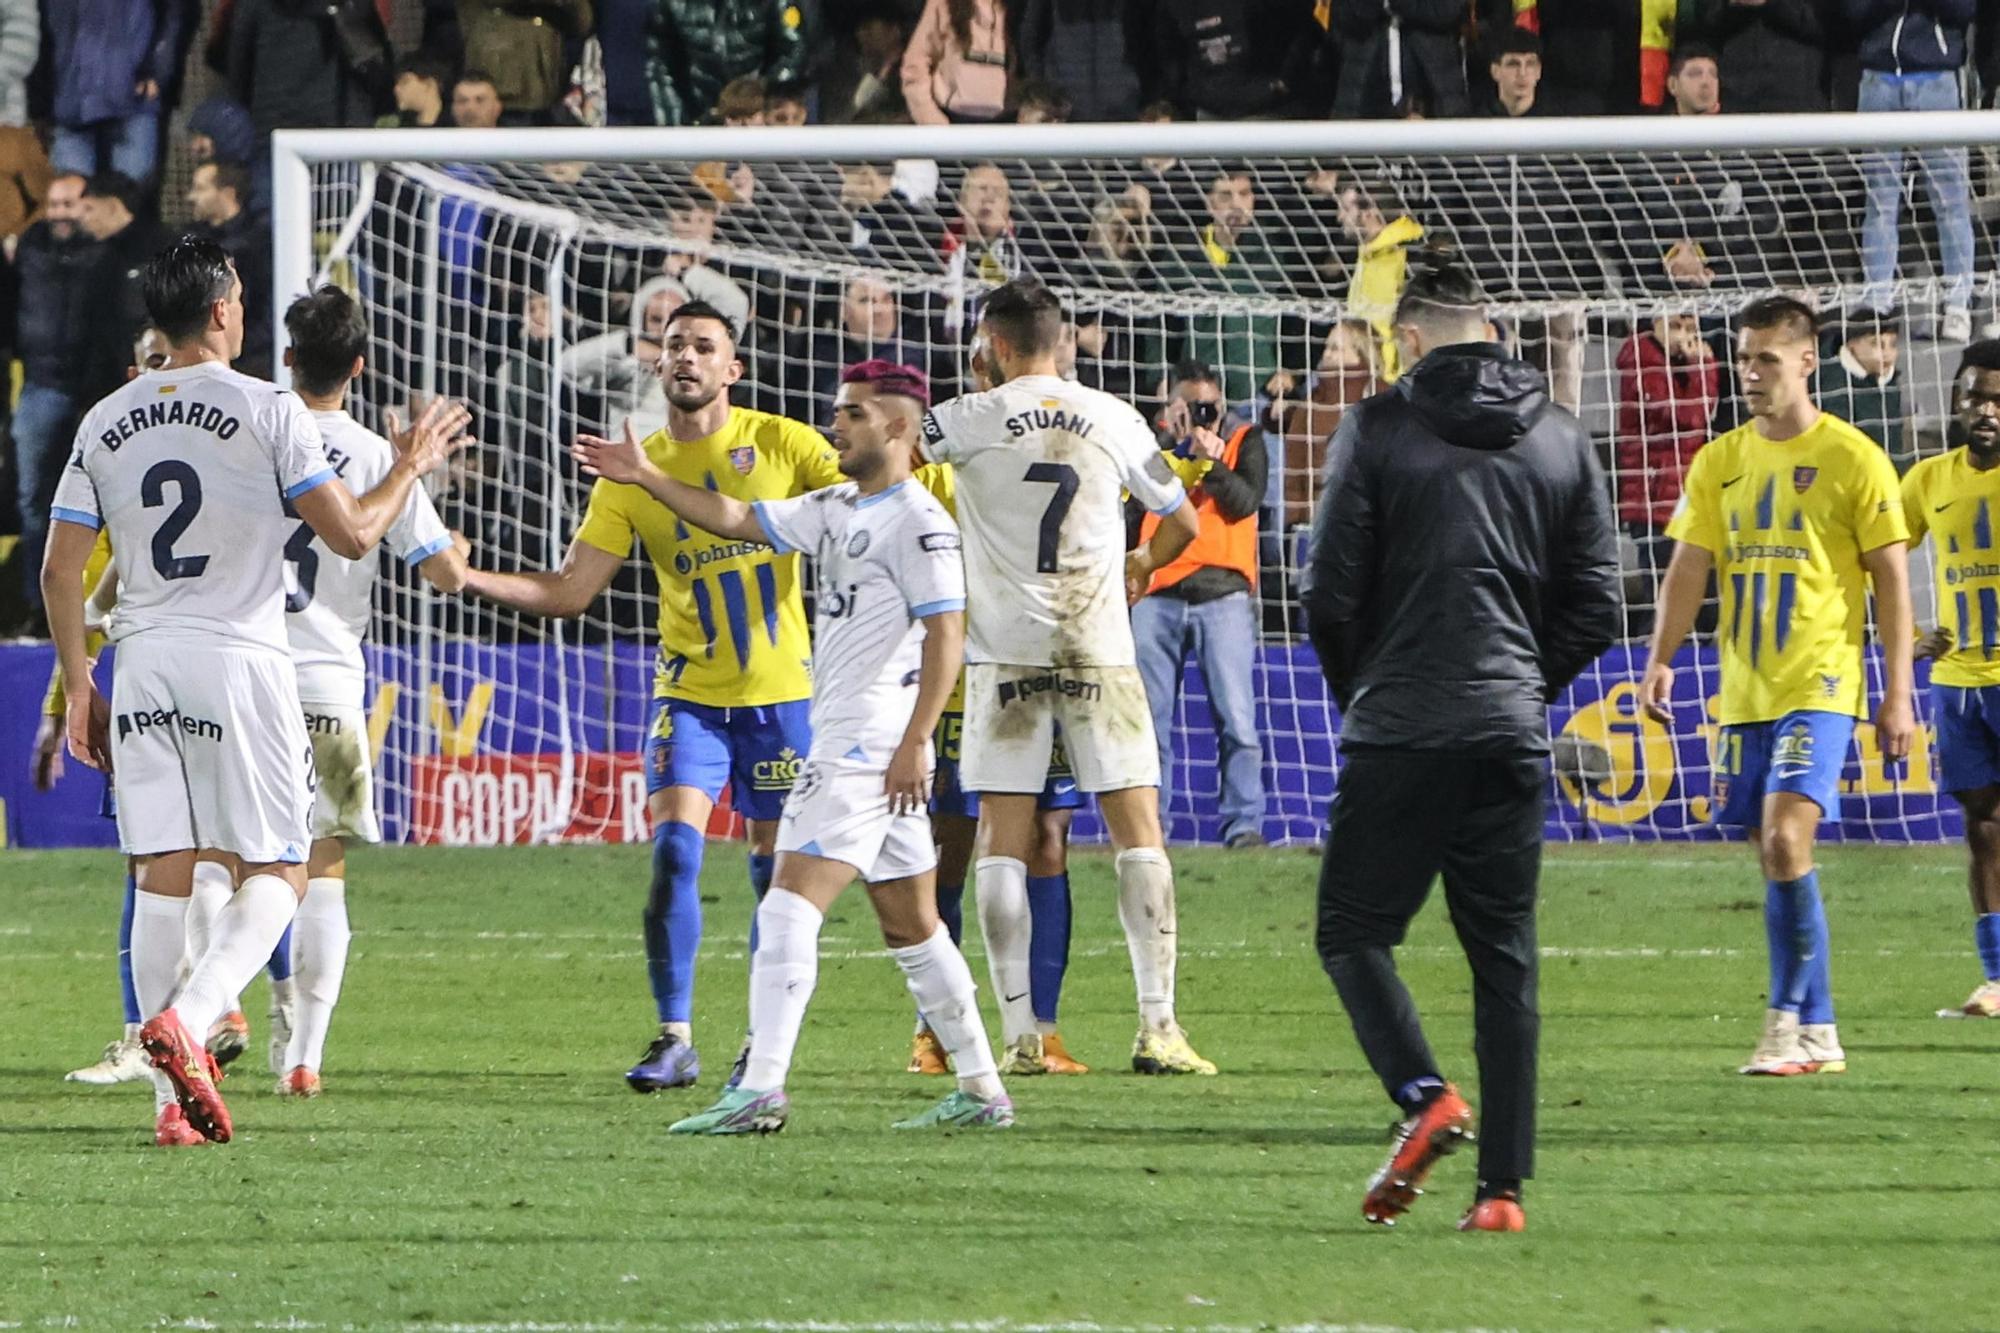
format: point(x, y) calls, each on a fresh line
point(694, 47)
point(1870, 403)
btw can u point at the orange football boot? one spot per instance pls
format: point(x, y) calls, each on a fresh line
point(173, 1131)
point(192, 1071)
point(1057, 1059)
point(1437, 1131)
point(927, 1054)
point(1500, 1213)
point(300, 1082)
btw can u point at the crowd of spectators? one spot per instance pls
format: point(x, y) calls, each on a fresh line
point(92, 107)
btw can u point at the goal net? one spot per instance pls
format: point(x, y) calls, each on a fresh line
point(529, 273)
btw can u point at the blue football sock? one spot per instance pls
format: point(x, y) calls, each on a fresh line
point(760, 884)
point(1048, 942)
point(672, 920)
point(1811, 951)
point(280, 964)
point(1780, 931)
point(951, 910)
point(1986, 935)
point(126, 989)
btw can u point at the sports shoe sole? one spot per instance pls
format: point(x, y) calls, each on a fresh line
point(1393, 1196)
point(200, 1102)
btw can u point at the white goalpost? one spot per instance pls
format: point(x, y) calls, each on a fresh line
point(527, 272)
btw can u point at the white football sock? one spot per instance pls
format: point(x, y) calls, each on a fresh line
point(214, 886)
point(1000, 886)
point(1146, 910)
point(159, 926)
point(942, 984)
point(245, 933)
point(319, 961)
point(781, 984)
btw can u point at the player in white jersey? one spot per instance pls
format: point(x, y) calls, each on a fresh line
point(1041, 465)
point(887, 643)
point(190, 468)
point(329, 602)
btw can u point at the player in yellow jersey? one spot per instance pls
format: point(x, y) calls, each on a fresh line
point(1955, 497)
point(731, 693)
point(1795, 513)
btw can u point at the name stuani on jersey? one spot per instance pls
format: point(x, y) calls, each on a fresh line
point(1050, 416)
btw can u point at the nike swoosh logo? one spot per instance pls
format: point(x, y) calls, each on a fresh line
point(1022, 996)
point(1732, 481)
point(1939, 509)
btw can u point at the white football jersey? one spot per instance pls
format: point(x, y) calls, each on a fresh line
point(191, 469)
point(883, 563)
point(330, 599)
point(1041, 466)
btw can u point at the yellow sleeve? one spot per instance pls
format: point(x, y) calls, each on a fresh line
point(942, 483)
point(607, 522)
point(1189, 470)
point(1878, 503)
point(54, 703)
point(1915, 497)
point(816, 466)
point(1696, 521)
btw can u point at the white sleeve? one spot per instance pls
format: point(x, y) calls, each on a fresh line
point(930, 568)
point(76, 493)
point(418, 533)
point(298, 452)
point(1143, 468)
point(797, 524)
point(936, 443)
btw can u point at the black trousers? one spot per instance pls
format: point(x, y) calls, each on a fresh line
point(1399, 820)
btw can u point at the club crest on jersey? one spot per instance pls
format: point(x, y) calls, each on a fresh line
point(1803, 478)
point(744, 457)
point(857, 545)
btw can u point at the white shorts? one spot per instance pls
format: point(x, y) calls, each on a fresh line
point(344, 805)
point(840, 812)
point(210, 751)
point(1011, 714)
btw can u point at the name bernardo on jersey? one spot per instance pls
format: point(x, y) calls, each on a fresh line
point(175, 411)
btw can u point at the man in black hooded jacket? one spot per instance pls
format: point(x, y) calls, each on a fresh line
point(1464, 570)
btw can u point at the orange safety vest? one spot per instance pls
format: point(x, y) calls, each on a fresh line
point(1224, 543)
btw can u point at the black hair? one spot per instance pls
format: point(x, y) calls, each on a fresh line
point(1687, 51)
point(786, 90)
point(1866, 322)
point(231, 176)
point(116, 185)
point(1049, 96)
point(1982, 355)
point(703, 310)
point(1514, 41)
point(1775, 312)
point(431, 68)
point(1026, 314)
point(1440, 283)
point(181, 285)
point(1195, 372)
point(476, 75)
point(328, 331)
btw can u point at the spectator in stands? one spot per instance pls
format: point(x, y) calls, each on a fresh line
point(741, 101)
point(868, 80)
point(1349, 370)
point(1858, 383)
point(694, 47)
point(620, 369)
point(110, 59)
point(520, 44)
point(24, 167)
point(296, 64)
point(692, 225)
point(1228, 253)
point(1089, 47)
point(1772, 53)
point(475, 101)
point(58, 263)
point(785, 104)
point(1227, 60)
point(220, 130)
point(1037, 102)
point(1396, 53)
point(1667, 393)
point(219, 198)
point(955, 66)
point(1694, 81)
point(1515, 66)
point(871, 326)
point(1117, 250)
point(981, 241)
point(1202, 601)
point(1174, 193)
point(1912, 52)
point(883, 224)
point(1592, 52)
point(420, 92)
point(1381, 266)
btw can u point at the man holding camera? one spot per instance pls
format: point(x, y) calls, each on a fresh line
point(1205, 602)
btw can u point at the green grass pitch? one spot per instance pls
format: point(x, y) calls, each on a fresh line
point(478, 1163)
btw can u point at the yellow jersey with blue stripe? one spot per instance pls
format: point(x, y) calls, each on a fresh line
point(1957, 503)
point(1788, 522)
point(732, 625)
point(55, 702)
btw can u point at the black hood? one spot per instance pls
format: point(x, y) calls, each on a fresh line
point(1475, 395)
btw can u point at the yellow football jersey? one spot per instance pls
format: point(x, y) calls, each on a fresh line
point(1955, 502)
point(1788, 522)
point(54, 704)
point(732, 625)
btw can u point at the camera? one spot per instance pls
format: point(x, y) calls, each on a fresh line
point(1204, 414)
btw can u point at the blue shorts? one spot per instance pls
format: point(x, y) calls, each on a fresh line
point(758, 751)
point(948, 798)
point(1968, 736)
point(1801, 752)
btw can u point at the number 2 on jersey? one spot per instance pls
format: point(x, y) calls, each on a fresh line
point(1064, 478)
point(153, 494)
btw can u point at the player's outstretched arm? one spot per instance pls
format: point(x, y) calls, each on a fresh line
point(1680, 602)
point(351, 527)
point(88, 718)
point(908, 780)
point(624, 460)
point(448, 570)
point(1895, 718)
point(586, 571)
